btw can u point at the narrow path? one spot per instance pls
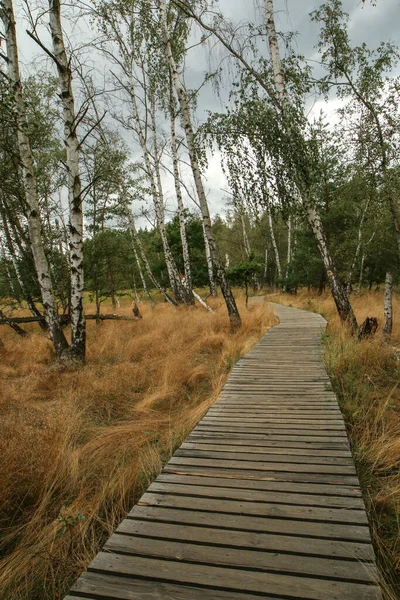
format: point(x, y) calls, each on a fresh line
point(261, 501)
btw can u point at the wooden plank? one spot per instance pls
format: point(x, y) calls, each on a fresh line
point(257, 454)
point(270, 440)
point(264, 542)
point(256, 447)
point(240, 557)
point(113, 587)
point(255, 524)
point(298, 425)
point(220, 471)
point(292, 435)
point(251, 495)
point(252, 465)
point(253, 508)
point(273, 408)
point(293, 494)
point(233, 579)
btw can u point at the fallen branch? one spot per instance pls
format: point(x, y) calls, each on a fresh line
point(202, 302)
point(4, 320)
point(64, 319)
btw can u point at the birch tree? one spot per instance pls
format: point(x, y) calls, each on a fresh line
point(29, 184)
point(337, 286)
point(64, 70)
point(128, 27)
point(291, 162)
point(190, 140)
point(359, 75)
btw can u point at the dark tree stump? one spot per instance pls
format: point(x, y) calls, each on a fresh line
point(368, 328)
point(136, 311)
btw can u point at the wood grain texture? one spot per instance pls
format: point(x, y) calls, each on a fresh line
point(261, 501)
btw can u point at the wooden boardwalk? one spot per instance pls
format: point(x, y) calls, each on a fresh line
point(261, 501)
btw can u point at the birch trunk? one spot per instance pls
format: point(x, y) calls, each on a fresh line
point(338, 289)
point(8, 272)
point(139, 266)
point(210, 267)
point(29, 183)
point(265, 265)
point(289, 246)
point(246, 242)
point(138, 242)
point(181, 208)
point(78, 324)
point(156, 192)
point(178, 288)
point(358, 248)
point(222, 278)
point(27, 297)
point(388, 308)
point(275, 246)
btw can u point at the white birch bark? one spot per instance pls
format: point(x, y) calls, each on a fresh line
point(338, 289)
point(363, 260)
point(138, 242)
point(210, 267)
point(279, 78)
point(29, 183)
point(245, 236)
point(139, 266)
point(388, 308)
point(78, 323)
point(178, 192)
point(358, 248)
point(14, 259)
point(200, 300)
point(156, 192)
point(188, 128)
point(289, 246)
point(265, 265)
point(173, 273)
point(275, 246)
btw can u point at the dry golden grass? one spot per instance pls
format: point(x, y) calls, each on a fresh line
point(78, 446)
point(366, 378)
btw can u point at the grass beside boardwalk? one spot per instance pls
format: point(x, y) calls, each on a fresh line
point(79, 446)
point(366, 377)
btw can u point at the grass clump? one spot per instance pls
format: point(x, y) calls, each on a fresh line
point(365, 376)
point(80, 445)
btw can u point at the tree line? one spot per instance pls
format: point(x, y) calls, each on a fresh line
point(309, 204)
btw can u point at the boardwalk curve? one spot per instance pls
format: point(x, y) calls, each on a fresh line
point(261, 501)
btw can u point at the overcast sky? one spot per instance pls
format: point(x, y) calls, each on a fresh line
point(367, 24)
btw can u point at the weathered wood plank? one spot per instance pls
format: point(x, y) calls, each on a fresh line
point(269, 483)
point(293, 494)
point(110, 586)
point(258, 454)
point(255, 524)
point(233, 579)
point(253, 508)
point(292, 545)
point(282, 467)
point(240, 557)
point(251, 495)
